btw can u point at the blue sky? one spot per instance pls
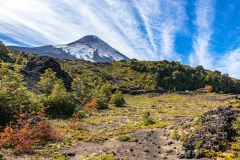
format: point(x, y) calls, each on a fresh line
point(194, 32)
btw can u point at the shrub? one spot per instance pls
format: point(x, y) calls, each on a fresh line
point(147, 120)
point(104, 156)
point(236, 125)
point(106, 91)
point(208, 89)
point(59, 102)
point(90, 106)
point(72, 123)
point(125, 138)
point(118, 99)
point(61, 157)
point(235, 146)
point(28, 132)
point(102, 104)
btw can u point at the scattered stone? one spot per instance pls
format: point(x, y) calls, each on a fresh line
point(114, 153)
point(146, 150)
point(169, 151)
point(171, 142)
point(215, 130)
point(199, 154)
point(69, 154)
point(153, 106)
point(189, 154)
point(181, 156)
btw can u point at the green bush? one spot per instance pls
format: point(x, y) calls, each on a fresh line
point(101, 103)
point(147, 120)
point(104, 156)
point(118, 99)
point(125, 138)
point(59, 102)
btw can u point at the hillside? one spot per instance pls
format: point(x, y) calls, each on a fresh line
point(73, 109)
point(150, 75)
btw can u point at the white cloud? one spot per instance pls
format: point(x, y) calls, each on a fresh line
point(230, 63)
point(204, 18)
point(41, 22)
point(162, 20)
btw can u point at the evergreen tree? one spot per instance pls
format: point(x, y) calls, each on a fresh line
point(59, 102)
point(14, 95)
point(47, 81)
point(81, 89)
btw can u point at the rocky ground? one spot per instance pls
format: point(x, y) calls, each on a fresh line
point(212, 132)
point(149, 144)
point(154, 142)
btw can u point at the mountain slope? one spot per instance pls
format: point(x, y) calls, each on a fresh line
point(89, 48)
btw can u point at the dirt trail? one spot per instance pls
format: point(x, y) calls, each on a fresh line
point(151, 144)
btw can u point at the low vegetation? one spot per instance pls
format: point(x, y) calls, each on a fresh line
point(41, 115)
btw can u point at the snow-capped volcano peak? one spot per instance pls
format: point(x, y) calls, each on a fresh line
point(88, 39)
point(90, 48)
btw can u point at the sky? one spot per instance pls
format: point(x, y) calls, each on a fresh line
point(193, 32)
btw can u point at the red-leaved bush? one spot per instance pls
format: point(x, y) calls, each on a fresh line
point(28, 132)
point(208, 89)
point(90, 106)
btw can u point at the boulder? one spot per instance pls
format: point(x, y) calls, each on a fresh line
point(37, 66)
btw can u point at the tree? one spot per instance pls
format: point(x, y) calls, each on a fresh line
point(14, 95)
point(117, 99)
point(4, 53)
point(47, 81)
point(59, 102)
point(81, 89)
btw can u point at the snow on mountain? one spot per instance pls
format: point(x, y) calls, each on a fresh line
point(89, 48)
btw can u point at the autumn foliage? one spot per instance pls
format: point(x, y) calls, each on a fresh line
point(208, 89)
point(90, 106)
point(28, 132)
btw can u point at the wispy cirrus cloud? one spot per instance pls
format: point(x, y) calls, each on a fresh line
point(162, 20)
point(140, 29)
point(205, 13)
